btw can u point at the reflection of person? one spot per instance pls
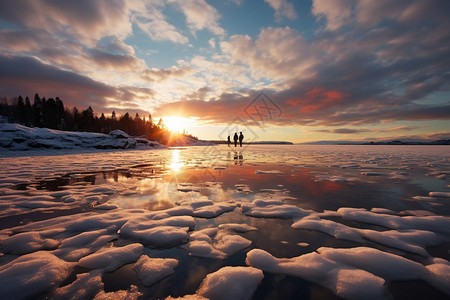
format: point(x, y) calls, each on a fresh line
point(238, 158)
point(241, 137)
point(235, 138)
point(229, 141)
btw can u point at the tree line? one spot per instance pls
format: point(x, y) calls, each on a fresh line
point(51, 113)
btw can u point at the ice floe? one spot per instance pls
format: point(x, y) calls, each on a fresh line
point(131, 294)
point(273, 208)
point(411, 240)
point(151, 270)
point(344, 281)
point(86, 286)
point(217, 242)
point(27, 242)
point(109, 259)
point(205, 208)
point(157, 233)
point(32, 274)
point(229, 283)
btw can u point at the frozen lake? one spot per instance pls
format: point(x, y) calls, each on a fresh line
point(258, 222)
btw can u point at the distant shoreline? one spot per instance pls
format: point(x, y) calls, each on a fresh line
point(387, 143)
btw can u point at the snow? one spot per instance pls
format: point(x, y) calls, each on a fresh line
point(86, 286)
point(411, 240)
point(343, 280)
point(231, 283)
point(217, 242)
point(109, 259)
point(438, 224)
point(18, 137)
point(131, 294)
point(273, 207)
point(205, 208)
point(353, 273)
point(386, 265)
point(27, 242)
point(151, 270)
point(32, 274)
point(157, 233)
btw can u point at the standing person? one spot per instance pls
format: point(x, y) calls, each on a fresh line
point(241, 137)
point(235, 138)
point(229, 141)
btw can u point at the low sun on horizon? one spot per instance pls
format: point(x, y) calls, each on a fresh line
point(178, 124)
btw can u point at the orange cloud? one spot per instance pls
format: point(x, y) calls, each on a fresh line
point(316, 99)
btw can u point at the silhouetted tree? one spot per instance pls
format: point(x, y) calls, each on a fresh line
point(28, 112)
point(52, 113)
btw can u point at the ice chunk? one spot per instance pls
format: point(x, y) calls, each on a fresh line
point(231, 243)
point(359, 284)
point(345, 281)
point(131, 294)
point(86, 286)
point(211, 242)
point(409, 240)
point(203, 248)
point(32, 274)
point(439, 224)
point(213, 210)
point(332, 228)
point(158, 233)
point(27, 242)
point(73, 248)
point(273, 209)
point(386, 265)
point(231, 283)
point(439, 275)
point(151, 270)
point(110, 259)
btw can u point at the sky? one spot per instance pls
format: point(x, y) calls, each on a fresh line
point(288, 70)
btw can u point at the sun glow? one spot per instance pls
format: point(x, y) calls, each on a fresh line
point(177, 124)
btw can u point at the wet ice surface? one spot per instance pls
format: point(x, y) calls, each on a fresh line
point(265, 222)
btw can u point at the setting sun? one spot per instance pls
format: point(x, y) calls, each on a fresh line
point(177, 124)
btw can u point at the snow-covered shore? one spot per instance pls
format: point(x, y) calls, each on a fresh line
point(14, 137)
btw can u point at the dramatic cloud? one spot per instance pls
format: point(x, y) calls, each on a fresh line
point(343, 67)
point(88, 20)
point(27, 76)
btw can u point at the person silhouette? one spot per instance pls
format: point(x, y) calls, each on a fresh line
point(241, 137)
point(229, 141)
point(235, 138)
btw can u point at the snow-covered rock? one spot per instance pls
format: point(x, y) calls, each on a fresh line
point(18, 137)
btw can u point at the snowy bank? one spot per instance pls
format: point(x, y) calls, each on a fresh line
point(18, 137)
